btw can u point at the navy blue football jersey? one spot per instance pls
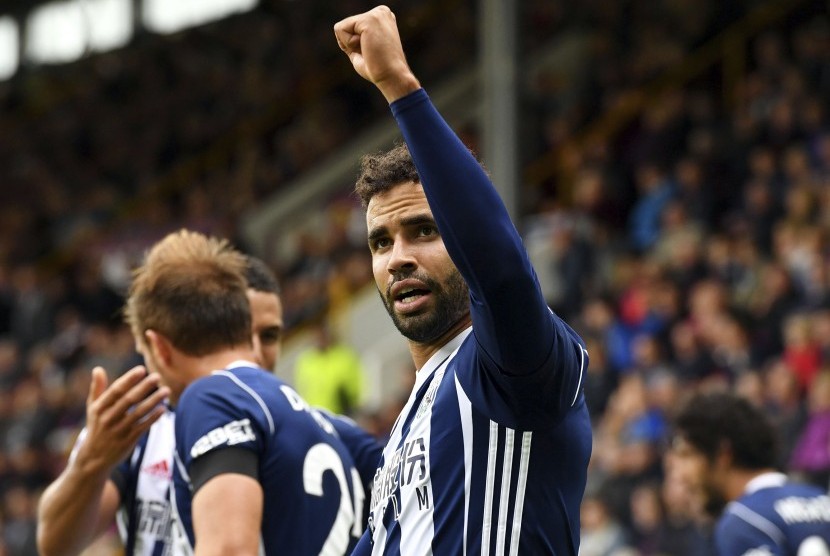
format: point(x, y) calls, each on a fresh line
point(313, 496)
point(490, 453)
point(776, 517)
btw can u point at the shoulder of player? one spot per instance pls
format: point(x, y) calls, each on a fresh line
point(231, 385)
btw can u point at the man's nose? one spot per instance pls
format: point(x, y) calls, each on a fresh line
point(402, 257)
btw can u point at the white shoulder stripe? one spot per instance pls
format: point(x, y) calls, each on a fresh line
point(582, 353)
point(758, 521)
point(253, 394)
point(520, 494)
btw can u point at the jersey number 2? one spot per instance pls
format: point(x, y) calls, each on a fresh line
point(319, 459)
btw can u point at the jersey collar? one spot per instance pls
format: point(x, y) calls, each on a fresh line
point(765, 480)
point(440, 356)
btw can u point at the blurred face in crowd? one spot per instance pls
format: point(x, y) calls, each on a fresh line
point(267, 326)
point(699, 476)
point(420, 286)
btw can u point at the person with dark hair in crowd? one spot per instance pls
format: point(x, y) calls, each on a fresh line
point(724, 452)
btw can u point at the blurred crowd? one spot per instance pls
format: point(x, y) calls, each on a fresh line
point(689, 247)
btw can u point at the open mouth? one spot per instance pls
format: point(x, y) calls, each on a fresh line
point(408, 295)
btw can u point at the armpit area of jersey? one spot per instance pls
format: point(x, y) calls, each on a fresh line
point(225, 460)
point(120, 482)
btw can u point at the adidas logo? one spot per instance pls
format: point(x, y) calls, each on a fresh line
point(158, 469)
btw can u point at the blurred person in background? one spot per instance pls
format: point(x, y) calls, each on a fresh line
point(724, 451)
point(329, 373)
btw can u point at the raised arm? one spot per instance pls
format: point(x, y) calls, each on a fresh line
point(511, 320)
point(82, 501)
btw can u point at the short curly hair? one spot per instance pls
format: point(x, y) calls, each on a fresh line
point(709, 420)
point(384, 170)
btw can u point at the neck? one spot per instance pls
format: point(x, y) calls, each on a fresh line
point(195, 367)
point(421, 352)
point(739, 478)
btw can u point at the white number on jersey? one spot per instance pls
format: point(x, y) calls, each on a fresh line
point(319, 459)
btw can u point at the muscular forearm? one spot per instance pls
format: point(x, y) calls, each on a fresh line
point(75, 509)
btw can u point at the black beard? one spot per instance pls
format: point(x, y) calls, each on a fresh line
point(452, 303)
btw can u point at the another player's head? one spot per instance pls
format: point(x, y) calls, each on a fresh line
point(420, 286)
point(187, 302)
point(720, 440)
point(266, 312)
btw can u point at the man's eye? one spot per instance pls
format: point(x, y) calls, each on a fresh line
point(427, 231)
point(381, 243)
point(269, 336)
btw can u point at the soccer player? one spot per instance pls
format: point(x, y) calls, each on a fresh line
point(724, 452)
point(490, 453)
point(101, 484)
point(255, 466)
point(95, 489)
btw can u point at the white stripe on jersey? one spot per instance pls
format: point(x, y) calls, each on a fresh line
point(759, 522)
point(489, 485)
point(507, 471)
point(417, 537)
point(520, 494)
point(582, 353)
point(253, 394)
point(465, 410)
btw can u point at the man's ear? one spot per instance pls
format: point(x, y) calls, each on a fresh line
point(160, 347)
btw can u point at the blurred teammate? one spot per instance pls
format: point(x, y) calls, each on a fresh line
point(490, 453)
point(101, 483)
point(724, 452)
point(255, 467)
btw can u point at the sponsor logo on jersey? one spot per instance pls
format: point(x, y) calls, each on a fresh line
point(235, 432)
point(154, 518)
point(797, 509)
point(407, 466)
point(159, 469)
point(429, 396)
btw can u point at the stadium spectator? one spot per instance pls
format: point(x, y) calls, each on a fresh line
point(329, 373)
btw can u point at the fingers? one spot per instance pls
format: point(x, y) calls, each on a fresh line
point(344, 32)
point(148, 386)
point(121, 386)
point(97, 384)
point(144, 424)
point(144, 409)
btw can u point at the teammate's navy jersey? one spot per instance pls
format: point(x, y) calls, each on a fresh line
point(490, 453)
point(776, 517)
point(143, 481)
point(312, 491)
